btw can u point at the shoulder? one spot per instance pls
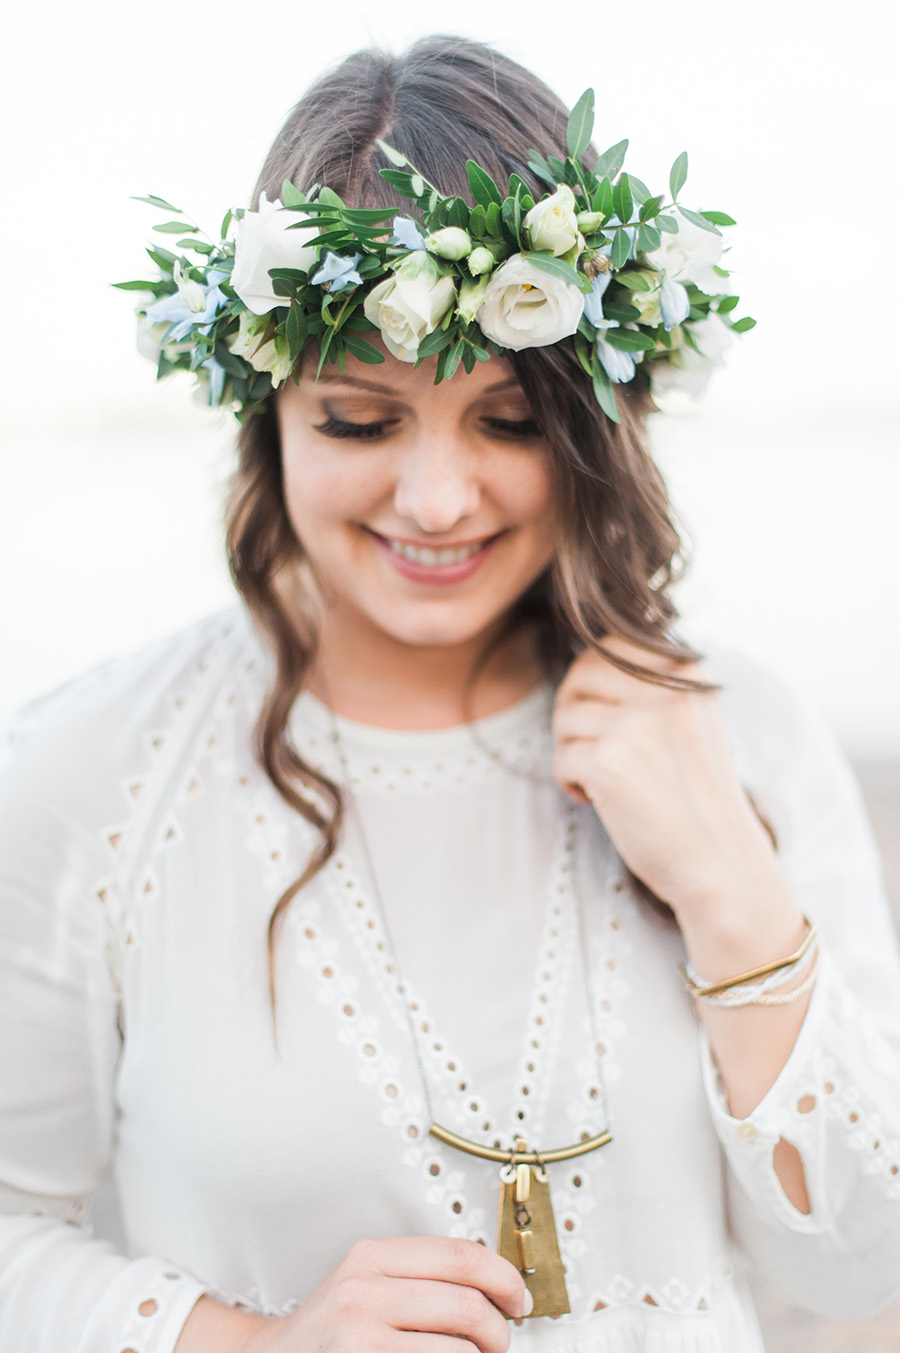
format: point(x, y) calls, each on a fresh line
point(97, 724)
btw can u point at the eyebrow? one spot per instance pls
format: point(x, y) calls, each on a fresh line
point(335, 378)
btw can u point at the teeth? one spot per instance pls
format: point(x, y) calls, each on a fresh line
point(433, 558)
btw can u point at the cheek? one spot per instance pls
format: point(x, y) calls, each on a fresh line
point(319, 492)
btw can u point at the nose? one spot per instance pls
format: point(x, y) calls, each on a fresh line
point(437, 485)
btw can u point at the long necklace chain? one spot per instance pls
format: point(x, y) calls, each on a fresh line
point(441, 1133)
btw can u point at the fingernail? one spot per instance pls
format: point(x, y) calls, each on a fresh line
point(528, 1303)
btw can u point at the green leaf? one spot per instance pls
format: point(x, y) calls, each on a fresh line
point(368, 216)
point(399, 179)
point(295, 331)
point(622, 200)
point(153, 201)
point(678, 175)
point(517, 185)
point(629, 340)
point(603, 198)
point(458, 213)
point(554, 267)
point(649, 208)
point(199, 246)
point(719, 218)
point(620, 310)
point(360, 349)
point(395, 156)
point(639, 190)
point(620, 250)
point(634, 281)
point(468, 360)
point(493, 222)
point(136, 286)
point(511, 215)
point(477, 222)
point(235, 366)
point(648, 238)
point(175, 228)
point(452, 360)
point(581, 125)
point(226, 222)
point(538, 165)
point(698, 220)
point(742, 325)
point(162, 258)
point(666, 223)
point(291, 196)
point(603, 392)
point(329, 198)
point(434, 343)
point(727, 304)
point(484, 189)
point(611, 161)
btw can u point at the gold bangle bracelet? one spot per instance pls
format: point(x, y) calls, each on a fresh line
point(755, 974)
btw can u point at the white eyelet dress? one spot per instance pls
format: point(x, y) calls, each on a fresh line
point(142, 851)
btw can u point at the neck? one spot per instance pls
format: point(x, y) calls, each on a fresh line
point(397, 685)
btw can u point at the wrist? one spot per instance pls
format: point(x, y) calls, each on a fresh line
point(742, 928)
point(213, 1327)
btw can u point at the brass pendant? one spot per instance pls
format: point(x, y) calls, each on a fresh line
point(526, 1234)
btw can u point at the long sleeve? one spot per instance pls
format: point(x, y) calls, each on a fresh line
point(837, 1100)
point(59, 1046)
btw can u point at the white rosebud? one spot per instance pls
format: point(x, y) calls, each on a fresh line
point(690, 256)
point(481, 260)
point(265, 239)
point(272, 355)
point(190, 291)
point(525, 307)
point(589, 221)
point(551, 224)
point(452, 242)
point(410, 305)
point(471, 295)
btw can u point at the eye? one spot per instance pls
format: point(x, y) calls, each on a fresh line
point(364, 432)
point(512, 429)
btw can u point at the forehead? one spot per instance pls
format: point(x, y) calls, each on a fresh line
point(412, 384)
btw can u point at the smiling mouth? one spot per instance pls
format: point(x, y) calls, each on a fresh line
point(429, 557)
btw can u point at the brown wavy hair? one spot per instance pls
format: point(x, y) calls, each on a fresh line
point(444, 101)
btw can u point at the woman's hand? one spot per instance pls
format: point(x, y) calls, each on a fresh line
point(656, 765)
point(420, 1293)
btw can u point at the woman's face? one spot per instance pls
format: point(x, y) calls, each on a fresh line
point(424, 510)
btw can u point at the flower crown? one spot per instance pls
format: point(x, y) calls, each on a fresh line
point(637, 285)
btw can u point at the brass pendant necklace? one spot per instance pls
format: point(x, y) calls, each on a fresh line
point(526, 1229)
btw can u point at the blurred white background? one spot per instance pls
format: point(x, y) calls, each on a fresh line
point(787, 476)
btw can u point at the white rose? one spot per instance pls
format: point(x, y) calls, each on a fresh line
point(273, 355)
point(690, 256)
point(551, 224)
point(687, 370)
point(264, 240)
point(524, 307)
point(410, 305)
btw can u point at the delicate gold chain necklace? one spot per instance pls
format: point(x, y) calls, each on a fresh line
point(526, 1230)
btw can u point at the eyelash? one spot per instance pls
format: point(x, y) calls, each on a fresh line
point(513, 429)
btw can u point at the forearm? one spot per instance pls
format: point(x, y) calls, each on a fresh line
point(213, 1327)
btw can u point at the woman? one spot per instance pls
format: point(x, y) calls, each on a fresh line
point(448, 801)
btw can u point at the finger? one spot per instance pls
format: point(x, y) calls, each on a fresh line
point(447, 1308)
point(447, 1260)
point(582, 719)
point(411, 1341)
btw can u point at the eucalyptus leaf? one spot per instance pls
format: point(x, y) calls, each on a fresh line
point(696, 219)
point(678, 175)
point(395, 156)
point(666, 223)
point(468, 360)
point(603, 198)
point(648, 238)
point(295, 332)
point(611, 161)
point(452, 361)
point(604, 393)
point(360, 349)
point(622, 200)
point(620, 250)
point(629, 340)
point(581, 125)
point(484, 189)
point(175, 228)
point(153, 201)
point(639, 190)
point(434, 343)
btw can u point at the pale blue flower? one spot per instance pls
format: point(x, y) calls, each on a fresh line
point(216, 381)
point(339, 271)
point(407, 233)
point(593, 304)
point(618, 365)
point(674, 304)
point(173, 310)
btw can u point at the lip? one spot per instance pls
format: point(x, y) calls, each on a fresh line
point(436, 575)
